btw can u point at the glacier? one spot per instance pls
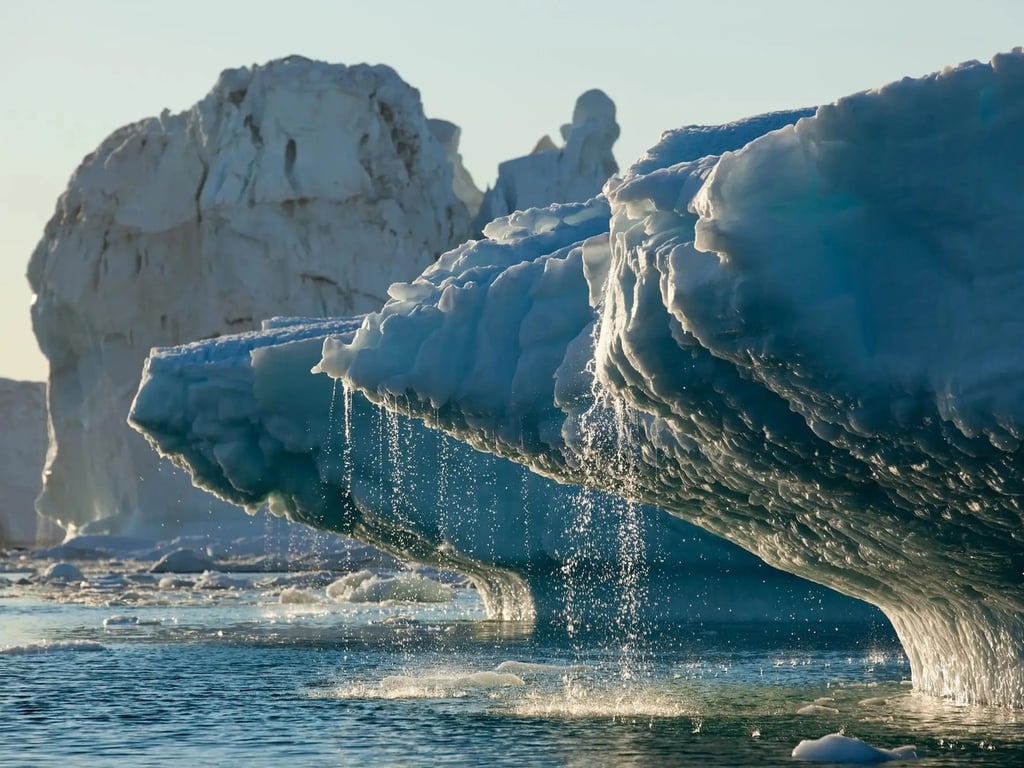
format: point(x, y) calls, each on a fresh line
point(810, 346)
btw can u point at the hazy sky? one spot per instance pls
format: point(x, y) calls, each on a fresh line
point(507, 72)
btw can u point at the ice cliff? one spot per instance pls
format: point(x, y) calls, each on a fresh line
point(22, 452)
point(811, 346)
point(292, 188)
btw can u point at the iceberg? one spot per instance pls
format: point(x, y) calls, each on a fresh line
point(810, 346)
point(553, 174)
point(245, 418)
point(293, 187)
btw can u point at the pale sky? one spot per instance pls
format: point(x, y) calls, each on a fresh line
point(71, 72)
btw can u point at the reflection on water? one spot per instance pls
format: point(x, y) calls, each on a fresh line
point(183, 675)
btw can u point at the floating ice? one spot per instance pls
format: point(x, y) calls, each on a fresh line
point(51, 646)
point(62, 572)
point(810, 346)
point(298, 596)
point(183, 561)
point(837, 748)
point(367, 587)
point(214, 580)
point(444, 686)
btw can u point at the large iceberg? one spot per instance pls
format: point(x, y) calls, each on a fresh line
point(249, 422)
point(297, 187)
point(245, 418)
point(811, 346)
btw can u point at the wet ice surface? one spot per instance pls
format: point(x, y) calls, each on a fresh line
point(130, 667)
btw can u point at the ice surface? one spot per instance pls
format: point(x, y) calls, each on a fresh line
point(837, 748)
point(810, 346)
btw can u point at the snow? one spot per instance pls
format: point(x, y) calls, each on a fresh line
point(297, 187)
point(837, 748)
point(809, 346)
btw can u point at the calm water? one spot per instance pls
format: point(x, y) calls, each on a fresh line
point(125, 673)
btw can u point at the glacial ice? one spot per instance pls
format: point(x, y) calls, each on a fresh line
point(810, 346)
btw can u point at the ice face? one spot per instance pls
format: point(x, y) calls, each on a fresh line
point(244, 416)
point(810, 346)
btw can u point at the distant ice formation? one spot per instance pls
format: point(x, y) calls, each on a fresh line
point(811, 346)
point(551, 174)
point(292, 188)
point(22, 453)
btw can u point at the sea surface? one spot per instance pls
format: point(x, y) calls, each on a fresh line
point(264, 669)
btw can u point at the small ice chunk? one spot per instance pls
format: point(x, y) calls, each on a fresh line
point(366, 587)
point(183, 561)
point(62, 572)
point(297, 596)
point(837, 748)
point(214, 580)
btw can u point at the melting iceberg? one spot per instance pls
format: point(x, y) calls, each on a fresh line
point(249, 422)
point(811, 346)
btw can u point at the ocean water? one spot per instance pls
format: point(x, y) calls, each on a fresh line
point(119, 670)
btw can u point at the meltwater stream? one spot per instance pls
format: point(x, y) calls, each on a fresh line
point(127, 667)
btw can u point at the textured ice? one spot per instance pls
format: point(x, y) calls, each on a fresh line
point(246, 418)
point(810, 346)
